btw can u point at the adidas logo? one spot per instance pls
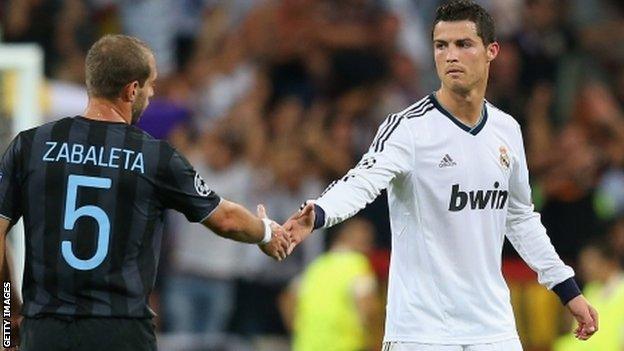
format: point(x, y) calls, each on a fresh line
point(447, 161)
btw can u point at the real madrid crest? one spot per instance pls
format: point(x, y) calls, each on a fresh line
point(504, 157)
point(201, 187)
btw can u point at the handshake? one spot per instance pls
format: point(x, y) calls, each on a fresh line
point(280, 240)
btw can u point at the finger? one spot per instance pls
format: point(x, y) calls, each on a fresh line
point(279, 231)
point(261, 211)
point(276, 254)
point(594, 314)
point(285, 244)
point(586, 322)
point(307, 209)
point(281, 252)
point(292, 246)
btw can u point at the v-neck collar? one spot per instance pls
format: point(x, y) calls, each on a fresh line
point(472, 130)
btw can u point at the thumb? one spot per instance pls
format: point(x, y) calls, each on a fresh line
point(586, 321)
point(261, 211)
point(309, 208)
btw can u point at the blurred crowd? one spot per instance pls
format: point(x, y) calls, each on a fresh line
point(271, 100)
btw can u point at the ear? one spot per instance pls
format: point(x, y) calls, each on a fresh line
point(130, 91)
point(492, 51)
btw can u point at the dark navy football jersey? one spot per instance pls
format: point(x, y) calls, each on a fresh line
point(92, 195)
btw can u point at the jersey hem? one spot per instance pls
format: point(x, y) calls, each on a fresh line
point(212, 211)
point(451, 340)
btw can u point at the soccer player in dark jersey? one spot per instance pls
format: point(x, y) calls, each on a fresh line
point(92, 191)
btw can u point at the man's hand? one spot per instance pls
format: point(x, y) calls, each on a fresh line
point(280, 240)
point(300, 225)
point(585, 315)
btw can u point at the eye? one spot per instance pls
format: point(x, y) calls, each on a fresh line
point(439, 45)
point(466, 44)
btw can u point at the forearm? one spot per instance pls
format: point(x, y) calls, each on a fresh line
point(233, 221)
point(347, 196)
point(535, 248)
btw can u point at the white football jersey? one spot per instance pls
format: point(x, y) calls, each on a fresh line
point(454, 192)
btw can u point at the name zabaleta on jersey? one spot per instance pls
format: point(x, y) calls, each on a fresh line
point(97, 156)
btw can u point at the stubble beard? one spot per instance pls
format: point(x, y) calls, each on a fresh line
point(137, 109)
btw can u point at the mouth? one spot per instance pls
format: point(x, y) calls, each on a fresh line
point(454, 71)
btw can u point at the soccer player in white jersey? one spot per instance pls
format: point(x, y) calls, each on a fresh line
point(457, 180)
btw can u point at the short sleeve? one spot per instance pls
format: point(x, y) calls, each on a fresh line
point(10, 185)
point(181, 187)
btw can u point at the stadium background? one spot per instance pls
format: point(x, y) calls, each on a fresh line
point(274, 99)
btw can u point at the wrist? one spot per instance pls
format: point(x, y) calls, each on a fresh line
point(567, 290)
point(268, 232)
point(319, 217)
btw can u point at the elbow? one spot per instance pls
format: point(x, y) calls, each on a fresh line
point(224, 221)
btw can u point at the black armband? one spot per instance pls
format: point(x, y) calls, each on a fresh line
point(567, 290)
point(319, 217)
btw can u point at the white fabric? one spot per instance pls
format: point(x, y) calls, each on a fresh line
point(507, 345)
point(446, 285)
point(268, 233)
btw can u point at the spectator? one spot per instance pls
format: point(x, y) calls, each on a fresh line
point(335, 303)
point(605, 289)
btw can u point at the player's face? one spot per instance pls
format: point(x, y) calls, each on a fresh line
point(462, 60)
point(145, 93)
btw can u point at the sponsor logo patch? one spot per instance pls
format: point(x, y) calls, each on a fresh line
point(447, 161)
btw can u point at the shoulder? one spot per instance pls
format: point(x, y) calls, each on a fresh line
point(26, 136)
point(158, 146)
point(418, 109)
point(502, 118)
point(143, 135)
point(409, 115)
point(47, 126)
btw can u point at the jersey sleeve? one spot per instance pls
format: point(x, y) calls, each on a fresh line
point(181, 187)
point(10, 185)
point(389, 156)
point(525, 230)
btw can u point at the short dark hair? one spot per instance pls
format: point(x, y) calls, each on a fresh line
point(461, 10)
point(114, 61)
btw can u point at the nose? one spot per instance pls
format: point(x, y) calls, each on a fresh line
point(451, 54)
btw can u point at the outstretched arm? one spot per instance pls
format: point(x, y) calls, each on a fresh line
point(389, 156)
point(231, 220)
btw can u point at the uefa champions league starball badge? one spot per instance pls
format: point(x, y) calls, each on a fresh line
point(200, 186)
point(504, 157)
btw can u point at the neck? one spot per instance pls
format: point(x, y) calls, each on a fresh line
point(466, 107)
point(100, 109)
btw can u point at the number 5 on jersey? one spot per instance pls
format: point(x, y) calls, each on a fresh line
point(72, 214)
